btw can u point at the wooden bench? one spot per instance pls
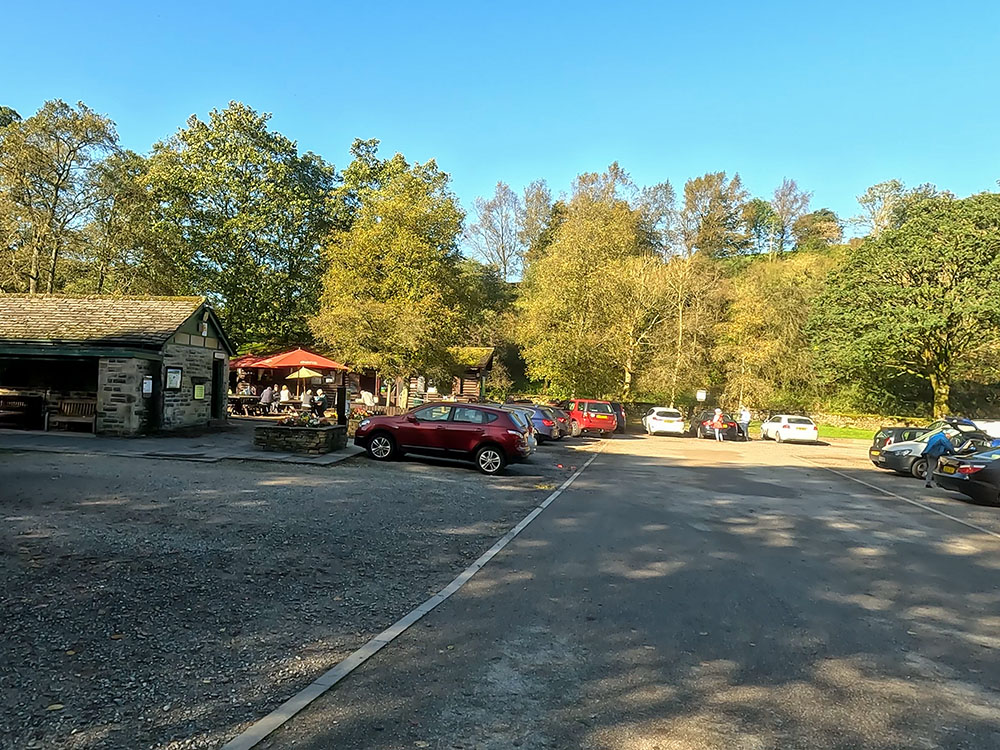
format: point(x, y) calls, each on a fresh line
point(74, 412)
point(24, 412)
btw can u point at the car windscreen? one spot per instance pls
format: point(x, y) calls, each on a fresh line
point(599, 408)
point(518, 417)
point(670, 413)
point(948, 432)
point(799, 420)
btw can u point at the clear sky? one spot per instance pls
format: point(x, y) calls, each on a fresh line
point(835, 95)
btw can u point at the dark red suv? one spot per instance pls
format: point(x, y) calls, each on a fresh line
point(483, 434)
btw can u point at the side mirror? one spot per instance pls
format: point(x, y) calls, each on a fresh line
point(411, 418)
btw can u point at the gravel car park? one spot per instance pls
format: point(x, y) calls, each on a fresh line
point(164, 604)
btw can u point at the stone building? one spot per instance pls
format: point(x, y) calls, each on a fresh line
point(129, 365)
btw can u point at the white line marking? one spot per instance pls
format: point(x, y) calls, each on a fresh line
point(900, 497)
point(260, 729)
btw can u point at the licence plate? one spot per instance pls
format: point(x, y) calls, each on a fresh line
point(602, 416)
point(801, 428)
point(947, 469)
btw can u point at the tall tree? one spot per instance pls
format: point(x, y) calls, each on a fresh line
point(536, 215)
point(495, 236)
point(565, 322)
point(762, 225)
point(711, 216)
point(390, 298)
point(879, 207)
point(47, 165)
point(789, 204)
point(922, 299)
point(817, 230)
point(251, 213)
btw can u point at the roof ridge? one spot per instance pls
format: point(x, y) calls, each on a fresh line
point(109, 297)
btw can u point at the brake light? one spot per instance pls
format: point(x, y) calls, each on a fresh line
point(785, 427)
point(730, 424)
point(888, 441)
point(970, 469)
point(548, 422)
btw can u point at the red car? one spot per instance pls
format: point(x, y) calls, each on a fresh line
point(591, 415)
point(485, 435)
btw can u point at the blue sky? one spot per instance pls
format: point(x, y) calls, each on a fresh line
point(836, 97)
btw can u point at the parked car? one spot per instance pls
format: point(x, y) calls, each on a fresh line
point(524, 422)
point(887, 436)
point(565, 428)
point(789, 428)
point(906, 457)
point(560, 427)
point(701, 426)
point(976, 476)
point(619, 411)
point(663, 420)
point(543, 424)
point(489, 437)
point(591, 415)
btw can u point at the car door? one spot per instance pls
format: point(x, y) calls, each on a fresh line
point(426, 429)
point(468, 425)
point(767, 428)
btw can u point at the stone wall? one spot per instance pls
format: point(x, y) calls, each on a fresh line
point(180, 408)
point(310, 440)
point(121, 408)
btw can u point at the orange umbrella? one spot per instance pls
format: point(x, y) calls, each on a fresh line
point(298, 358)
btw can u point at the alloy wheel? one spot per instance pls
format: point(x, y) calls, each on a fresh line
point(381, 447)
point(490, 461)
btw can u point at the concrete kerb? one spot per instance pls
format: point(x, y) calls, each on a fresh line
point(262, 728)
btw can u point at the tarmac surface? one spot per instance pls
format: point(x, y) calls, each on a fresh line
point(685, 594)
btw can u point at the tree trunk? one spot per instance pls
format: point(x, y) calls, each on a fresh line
point(50, 285)
point(33, 270)
point(941, 383)
point(627, 380)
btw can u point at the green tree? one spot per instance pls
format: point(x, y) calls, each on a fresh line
point(711, 215)
point(251, 214)
point(817, 230)
point(7, 116)
point(762, 344)
point(762, 225)
point(921, 300)
point(47, 166)
point(391, 300)
point(564, 318)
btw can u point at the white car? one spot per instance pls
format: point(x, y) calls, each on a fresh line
point(662, 420)
point(788, 428)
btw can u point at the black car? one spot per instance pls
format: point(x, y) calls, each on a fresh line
point(701, 426)
point(619, 411)
point(976, 476)
point(887, 436)
point(907, 457)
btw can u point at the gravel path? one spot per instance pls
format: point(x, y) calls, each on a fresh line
point(163, 604)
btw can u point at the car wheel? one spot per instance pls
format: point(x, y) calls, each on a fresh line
point(382, 447)
point(699, 434)
point(490, 460)
point(777, 437)
point(574, 428)
point(918, 469)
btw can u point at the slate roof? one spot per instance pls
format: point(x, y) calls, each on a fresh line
point(122, 321)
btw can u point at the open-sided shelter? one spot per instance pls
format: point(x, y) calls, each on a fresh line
point(129, 365)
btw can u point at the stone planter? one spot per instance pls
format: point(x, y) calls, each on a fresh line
point(313, 441)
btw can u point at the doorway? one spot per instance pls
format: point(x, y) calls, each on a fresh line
point(219, 381)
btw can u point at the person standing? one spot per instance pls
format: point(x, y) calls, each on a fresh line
point(307, 402)
point(718, 424)
point(937, 445)
point(745, 418)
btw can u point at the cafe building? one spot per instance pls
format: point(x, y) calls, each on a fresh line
point(111, 365)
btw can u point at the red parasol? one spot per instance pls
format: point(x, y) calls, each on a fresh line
point(297, 358)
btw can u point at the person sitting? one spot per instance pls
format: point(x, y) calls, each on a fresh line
point(266, 399)
point(319, 403)
point(284, 397)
